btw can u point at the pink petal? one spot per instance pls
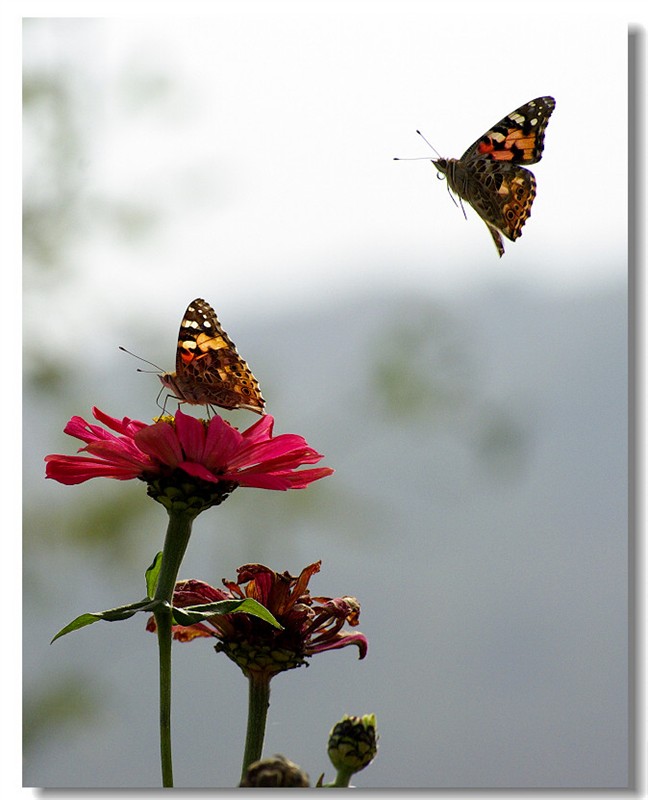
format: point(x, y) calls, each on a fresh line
point(119, 453)
point(71, 470)
point(288, 479)
point(191, 434)
point(222, 442)
point(288, 444)
point(304, 477)
point(260, 480)
point(126, 426)
point(160, 442)
point(198, 471)
point(289, 461)
point(85, 431)
point(260, 430)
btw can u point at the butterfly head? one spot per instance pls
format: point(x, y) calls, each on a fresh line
point(168, 380)
point(450, 169)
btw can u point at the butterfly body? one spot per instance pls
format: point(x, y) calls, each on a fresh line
point(490, 177)
point(209, 370)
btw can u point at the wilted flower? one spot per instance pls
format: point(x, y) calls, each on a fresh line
point(310, 624)
point(184, 459)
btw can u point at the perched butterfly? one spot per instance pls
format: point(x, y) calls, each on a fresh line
point(209, 371)
point(489, 177)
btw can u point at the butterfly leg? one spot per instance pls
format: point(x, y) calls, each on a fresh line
point(459, 204)
point(167, 397)
point(157, 400)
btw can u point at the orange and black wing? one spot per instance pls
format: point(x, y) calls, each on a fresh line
point(518, 138)
point(209, 370)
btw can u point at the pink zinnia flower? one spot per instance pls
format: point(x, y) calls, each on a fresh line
point(310, 624)
point(212, 451)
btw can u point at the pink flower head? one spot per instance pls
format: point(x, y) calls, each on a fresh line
point(310, 624)
point(211, 451)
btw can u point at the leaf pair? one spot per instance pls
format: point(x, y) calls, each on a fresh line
point(181, 616)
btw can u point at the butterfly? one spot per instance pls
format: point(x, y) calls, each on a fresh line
point(209, 371)
point(488, 176)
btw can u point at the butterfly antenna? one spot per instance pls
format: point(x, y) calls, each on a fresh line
point(418, 158)
point(159, 369)
point(429, 145)
point(421, 158)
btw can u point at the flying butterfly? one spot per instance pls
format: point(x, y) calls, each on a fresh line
point(209, 371)
point(488, 176)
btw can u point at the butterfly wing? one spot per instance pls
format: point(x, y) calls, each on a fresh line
point(518, 138)
point(502, 194)
point(497, 238)
point(209, 370)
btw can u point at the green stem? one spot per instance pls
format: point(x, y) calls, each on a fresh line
point(175, 545)
point(258, 704)
point(342, 779)
point(163, 621)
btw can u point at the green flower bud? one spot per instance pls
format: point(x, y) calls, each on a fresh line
point(353, 743)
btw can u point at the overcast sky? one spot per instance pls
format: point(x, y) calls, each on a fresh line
point(267, 140)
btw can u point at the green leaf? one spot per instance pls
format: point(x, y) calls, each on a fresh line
point(79, 622)
point(192, 614)
point(152, 574)
point(111, 615)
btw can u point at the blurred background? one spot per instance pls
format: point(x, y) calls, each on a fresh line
point(474, 409)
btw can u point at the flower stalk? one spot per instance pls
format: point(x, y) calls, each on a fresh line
point(342, 779)
point(164, 660)
point(175, 545)
point(258, 705)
